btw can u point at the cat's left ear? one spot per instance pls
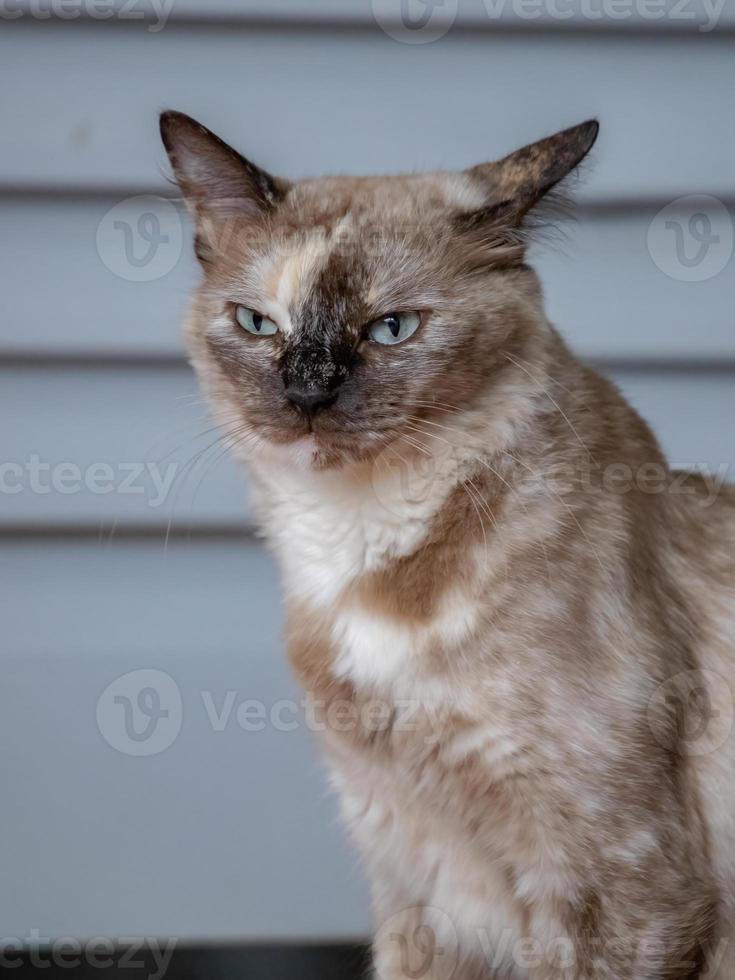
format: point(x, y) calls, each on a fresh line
point(515, 184)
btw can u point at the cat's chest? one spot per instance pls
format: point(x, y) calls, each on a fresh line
point(323, 545)
point(376, 656)
point(388, 619)
point(351, 569)
point(330, 528)
point(399, 693)
point(323, 552)
point(367, 636)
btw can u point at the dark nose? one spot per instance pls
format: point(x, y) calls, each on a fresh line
point(311, 399)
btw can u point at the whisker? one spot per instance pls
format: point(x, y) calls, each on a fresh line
point(416, 445)
point(537, 475)
point(536, 367)
point(190, 466)
point(197, 435)
point(553, 402)
point(482, 526)
point(498, 475)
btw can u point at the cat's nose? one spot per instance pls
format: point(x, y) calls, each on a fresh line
point(311, 399)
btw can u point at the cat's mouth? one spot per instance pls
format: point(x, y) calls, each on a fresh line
point(323, 440)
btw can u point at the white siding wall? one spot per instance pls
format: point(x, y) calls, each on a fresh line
point(230, 833)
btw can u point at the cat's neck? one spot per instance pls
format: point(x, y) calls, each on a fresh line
point(329, 527)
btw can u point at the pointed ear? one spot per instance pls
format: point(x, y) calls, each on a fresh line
point(518, 182)
point(219, 185)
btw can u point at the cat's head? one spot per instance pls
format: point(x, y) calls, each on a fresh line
point(335, 312)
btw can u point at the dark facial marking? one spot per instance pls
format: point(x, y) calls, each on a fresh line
point(321, 353)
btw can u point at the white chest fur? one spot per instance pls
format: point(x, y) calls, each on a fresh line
point(329, 529)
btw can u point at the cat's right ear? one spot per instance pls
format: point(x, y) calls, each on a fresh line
point(219, 185)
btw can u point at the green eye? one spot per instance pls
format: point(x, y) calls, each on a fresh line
point(255, 323)
point(394, 328)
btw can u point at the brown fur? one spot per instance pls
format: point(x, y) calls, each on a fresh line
point(495, 586)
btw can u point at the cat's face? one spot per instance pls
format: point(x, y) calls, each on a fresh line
point(335, 313)
point(369, 313)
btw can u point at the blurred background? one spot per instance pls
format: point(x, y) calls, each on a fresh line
point(160, 777)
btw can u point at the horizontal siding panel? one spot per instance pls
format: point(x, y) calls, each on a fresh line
point(476, 14)
point(132, 442)
point(610, 298)
point(95, 311)
point(690, 412)
point(603, 289)
point(305, 101)
point(140, 418)
point(226, 834)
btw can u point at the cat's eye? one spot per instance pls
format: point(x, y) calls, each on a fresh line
point(394, 328)
point(255, 323)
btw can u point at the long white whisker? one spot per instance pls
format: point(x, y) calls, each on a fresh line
point(482, 526)
point(537, 475)
point(553, 401)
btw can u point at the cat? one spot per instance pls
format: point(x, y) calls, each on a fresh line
point(515, 621)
